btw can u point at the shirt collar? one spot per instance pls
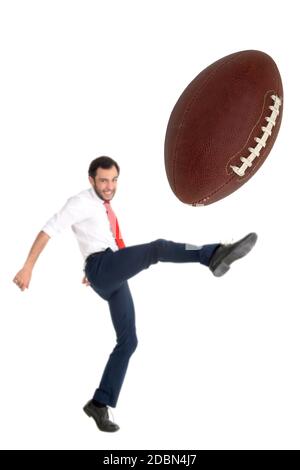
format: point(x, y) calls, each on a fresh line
point(95, 195)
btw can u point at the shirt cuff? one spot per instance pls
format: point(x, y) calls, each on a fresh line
point(49, 231)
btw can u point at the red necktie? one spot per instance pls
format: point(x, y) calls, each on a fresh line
point(114, 225)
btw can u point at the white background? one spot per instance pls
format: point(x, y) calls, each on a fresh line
point(217, 365)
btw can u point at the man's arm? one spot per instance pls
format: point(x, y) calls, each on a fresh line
point(73, 211)
point(22, 278)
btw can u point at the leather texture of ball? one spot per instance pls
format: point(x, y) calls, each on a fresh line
point(223, 127)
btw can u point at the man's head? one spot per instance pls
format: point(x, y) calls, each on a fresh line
point(103, 176)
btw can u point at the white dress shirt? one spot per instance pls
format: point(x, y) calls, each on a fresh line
point(85, 213)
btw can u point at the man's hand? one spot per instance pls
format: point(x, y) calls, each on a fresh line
point(22, 278)
point(85, 281)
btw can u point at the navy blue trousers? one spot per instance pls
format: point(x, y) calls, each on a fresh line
point(108, 272)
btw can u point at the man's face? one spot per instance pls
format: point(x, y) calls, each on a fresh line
point(105, 183)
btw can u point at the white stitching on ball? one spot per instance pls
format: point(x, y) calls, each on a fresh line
point(261, 142)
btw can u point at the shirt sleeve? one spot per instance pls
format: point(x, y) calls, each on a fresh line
point(68, 215)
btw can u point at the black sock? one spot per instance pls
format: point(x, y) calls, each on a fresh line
point(98, 404)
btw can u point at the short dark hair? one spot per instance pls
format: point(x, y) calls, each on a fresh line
point(102, 162)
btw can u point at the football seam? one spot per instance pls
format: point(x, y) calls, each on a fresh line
point(201, 202)
point(261, 149)
point(251, 138)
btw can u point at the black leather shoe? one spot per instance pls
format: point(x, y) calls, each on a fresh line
point(227, 254)
point(100, 416)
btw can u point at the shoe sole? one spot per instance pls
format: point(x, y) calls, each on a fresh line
point(90, 415)
point(241, 249)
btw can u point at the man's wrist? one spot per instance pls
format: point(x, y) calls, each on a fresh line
point(28, 266)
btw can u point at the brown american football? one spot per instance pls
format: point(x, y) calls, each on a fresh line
point(223, 127)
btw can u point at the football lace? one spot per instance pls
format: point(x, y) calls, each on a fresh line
point(261, 141)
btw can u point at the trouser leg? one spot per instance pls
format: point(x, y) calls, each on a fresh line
point(111, 269)
point(108, 274)
point(123, 317)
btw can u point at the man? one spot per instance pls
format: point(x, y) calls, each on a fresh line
point(109, 264)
